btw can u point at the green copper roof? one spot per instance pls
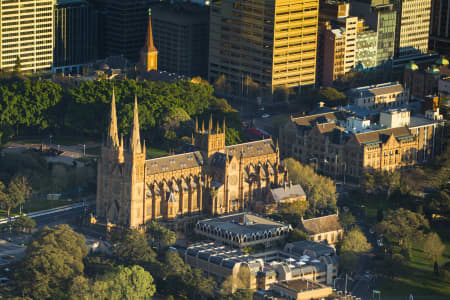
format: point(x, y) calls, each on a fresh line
point(433, 70)
point(411, 66)
point(442, 61)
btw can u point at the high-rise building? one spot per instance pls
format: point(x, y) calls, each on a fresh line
point(26, 34)
point(123, 27)
point(75, 36)
point(413, 27)
point(440, 26)
point(380, 16)
point(366, 49)
point(338, 40)
point(266, 44)
point(181, 36)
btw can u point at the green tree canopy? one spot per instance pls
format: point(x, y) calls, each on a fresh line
point(332, 97)
point(320, 190)
point(160, 235)
point(402, 225)
point(133, 249)
point(51, 261)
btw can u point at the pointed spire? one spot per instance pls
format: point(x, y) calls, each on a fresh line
point(277, 148)
point(196, 125)
point(210, 124)
point(135, 139)
point(149, 45)
point(192, 139)
point(203, 126)
point(223, 129)
point(113, 135)
point(144, 148)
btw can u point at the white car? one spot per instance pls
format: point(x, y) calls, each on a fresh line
point(265, 116)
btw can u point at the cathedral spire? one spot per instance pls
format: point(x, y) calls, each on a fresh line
point(149, 53)
point(196, 124)
point(217, 127)
point(135, 139)
point(203, 126)
point(113, 135)
point(149, 40)
point(224, 126)
point(210, 125)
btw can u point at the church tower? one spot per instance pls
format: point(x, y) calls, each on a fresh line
point(149, 54)
point(109, 173)
point(210, 141)
point(135, 165)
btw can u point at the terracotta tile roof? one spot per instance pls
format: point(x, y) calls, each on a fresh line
point(174, 163)
point(322, 224)
point(252, 149)
point(382, 135)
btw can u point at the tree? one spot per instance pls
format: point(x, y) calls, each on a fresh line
point(24, 223)
point(241, 294)
point(51, 261)
point(121, 283)
point(15, 195)
point(332, 97)
point(320, 190)
point(160, 235)
point(355, 241)
point(433, 246)
point(347, 219)
point(297, 235)
point(133, 249)
point(296, 208)
point(402, 225)
point(129, 283)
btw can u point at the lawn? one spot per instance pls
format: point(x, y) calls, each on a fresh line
point(156, 152)
point(420, 279)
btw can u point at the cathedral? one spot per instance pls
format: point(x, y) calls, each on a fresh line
point(210, 179)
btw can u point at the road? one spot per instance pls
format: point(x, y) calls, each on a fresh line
point(15, 250)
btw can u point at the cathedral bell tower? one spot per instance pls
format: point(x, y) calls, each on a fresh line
point(149, 54)
point(210, 141)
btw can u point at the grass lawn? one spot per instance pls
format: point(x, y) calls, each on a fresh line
point(36, 205)
point(155, 152)
point(420, 279)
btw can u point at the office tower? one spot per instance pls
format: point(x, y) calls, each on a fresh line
point(181, 36)
point(440, 26)
point(366, 50)
point(338, 40)
point(413, 27)
point(27, 35)
point(123, 27)
point(75, 37)
point(264, 45)
point(149, 54)
point(380, 16)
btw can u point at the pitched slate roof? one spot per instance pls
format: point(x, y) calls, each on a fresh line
point(379, 89)
point(322, 224)
point(174, 162)
point(382, 135)
point(329, 117)
point(252, 149)
point(291, 191)
point(299, 248)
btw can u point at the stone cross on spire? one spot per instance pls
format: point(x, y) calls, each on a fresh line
point(135, 139)
point(113, 134)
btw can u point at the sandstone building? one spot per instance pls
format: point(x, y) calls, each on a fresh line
point(212, 179)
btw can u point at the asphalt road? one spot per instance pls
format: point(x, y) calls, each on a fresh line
point(11, 251)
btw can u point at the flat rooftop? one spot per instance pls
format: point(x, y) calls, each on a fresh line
point(301, 285)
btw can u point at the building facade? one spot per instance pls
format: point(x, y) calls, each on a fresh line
point(380, 96)
point(258, 46)
point(413, 27)
point(366, 49)
point(212, 179)
point(424, 80)
point(326, 141)
point(440, 26)
point(181, 34)
point(75, 37)
point(326, 229)
point(27, 35)
point(380, 17)
point(122, 27)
